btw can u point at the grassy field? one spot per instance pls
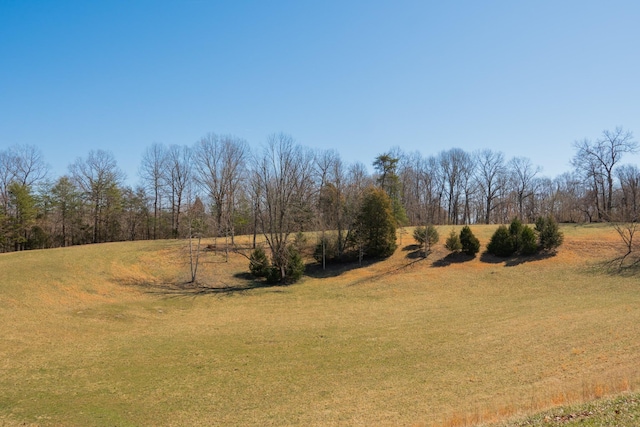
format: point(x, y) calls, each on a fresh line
point(109, 335)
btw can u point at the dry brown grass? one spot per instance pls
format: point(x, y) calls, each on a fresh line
point(112, 335)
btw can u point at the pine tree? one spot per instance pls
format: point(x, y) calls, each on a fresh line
point(426, 237)
point(375, 228)
point(501, 243)
point(453, 242)
point(549, 235)
point(259, 263)
point(470, 243)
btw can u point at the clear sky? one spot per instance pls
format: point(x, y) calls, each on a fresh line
point(524, 77)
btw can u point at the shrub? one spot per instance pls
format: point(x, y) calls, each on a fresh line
point(515, 231)
point(295, 266)
point(259, 264)
point(501, 243)
point(420, 235)
point(328, 246)
point(426, 237)
point(470, 243)
point(273, 275)
point(528, 241)
point(549, 235)
point(453, 242)
point(517, 238)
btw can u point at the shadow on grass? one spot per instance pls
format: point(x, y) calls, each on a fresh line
point(416, 252)
point(453, 258)
point(191, 289)
point(619, 266)
point(200, 289)
point(515, 260)
point(335, 268)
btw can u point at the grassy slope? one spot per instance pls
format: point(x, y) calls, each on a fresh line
point(621, 411)
point(103, 335)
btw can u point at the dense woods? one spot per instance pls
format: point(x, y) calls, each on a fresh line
point(220, 187)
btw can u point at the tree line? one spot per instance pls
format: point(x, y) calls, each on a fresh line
point(220, 187)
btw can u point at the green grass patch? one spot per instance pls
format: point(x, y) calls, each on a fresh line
point(621, 411)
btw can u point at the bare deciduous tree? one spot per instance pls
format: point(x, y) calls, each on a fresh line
point(284, 174)
point(6, 176)
point(328, 201)
point(523, 173)
point(97, 176)
point(411, 171)
point(469, 186)
point(23, 164)
point(627, 232)
point(490, 169)
point(629, 177)
point(455, 164)
point(29, 166)
point(152, 172)
point(220, 164)
point(569, 191)
point(597, 161)
point(178, 175)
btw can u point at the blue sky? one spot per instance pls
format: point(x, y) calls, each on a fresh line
point(524, 77)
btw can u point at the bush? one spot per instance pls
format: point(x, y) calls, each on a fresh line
point(501, 243)
point(518, 238)
point(528, 241)
point(273, 275)
point(549, 235)
point(515, 231)
point(295, 266)
point(420, 235)
point(453, 242)
point(328, 246)
point(470, 243)
point(259, 264)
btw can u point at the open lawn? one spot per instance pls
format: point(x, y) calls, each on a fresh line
point(109, 335)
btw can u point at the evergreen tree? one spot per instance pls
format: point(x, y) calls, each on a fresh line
point(67, 203)
point(518, 238)
point(528, 241)
point(501, 243)
point(453, 243)
point(295, 265)
point(259, 263)
point(515, 231)
point(389, 181)
point(549, 235)
point(22, 206)
point(375, 228)
point(426, 237)
point(470, 243)
point(327, 249)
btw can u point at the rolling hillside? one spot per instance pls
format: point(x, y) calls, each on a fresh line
point(111, 334)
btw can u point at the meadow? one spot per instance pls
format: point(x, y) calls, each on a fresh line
point(112, 335)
